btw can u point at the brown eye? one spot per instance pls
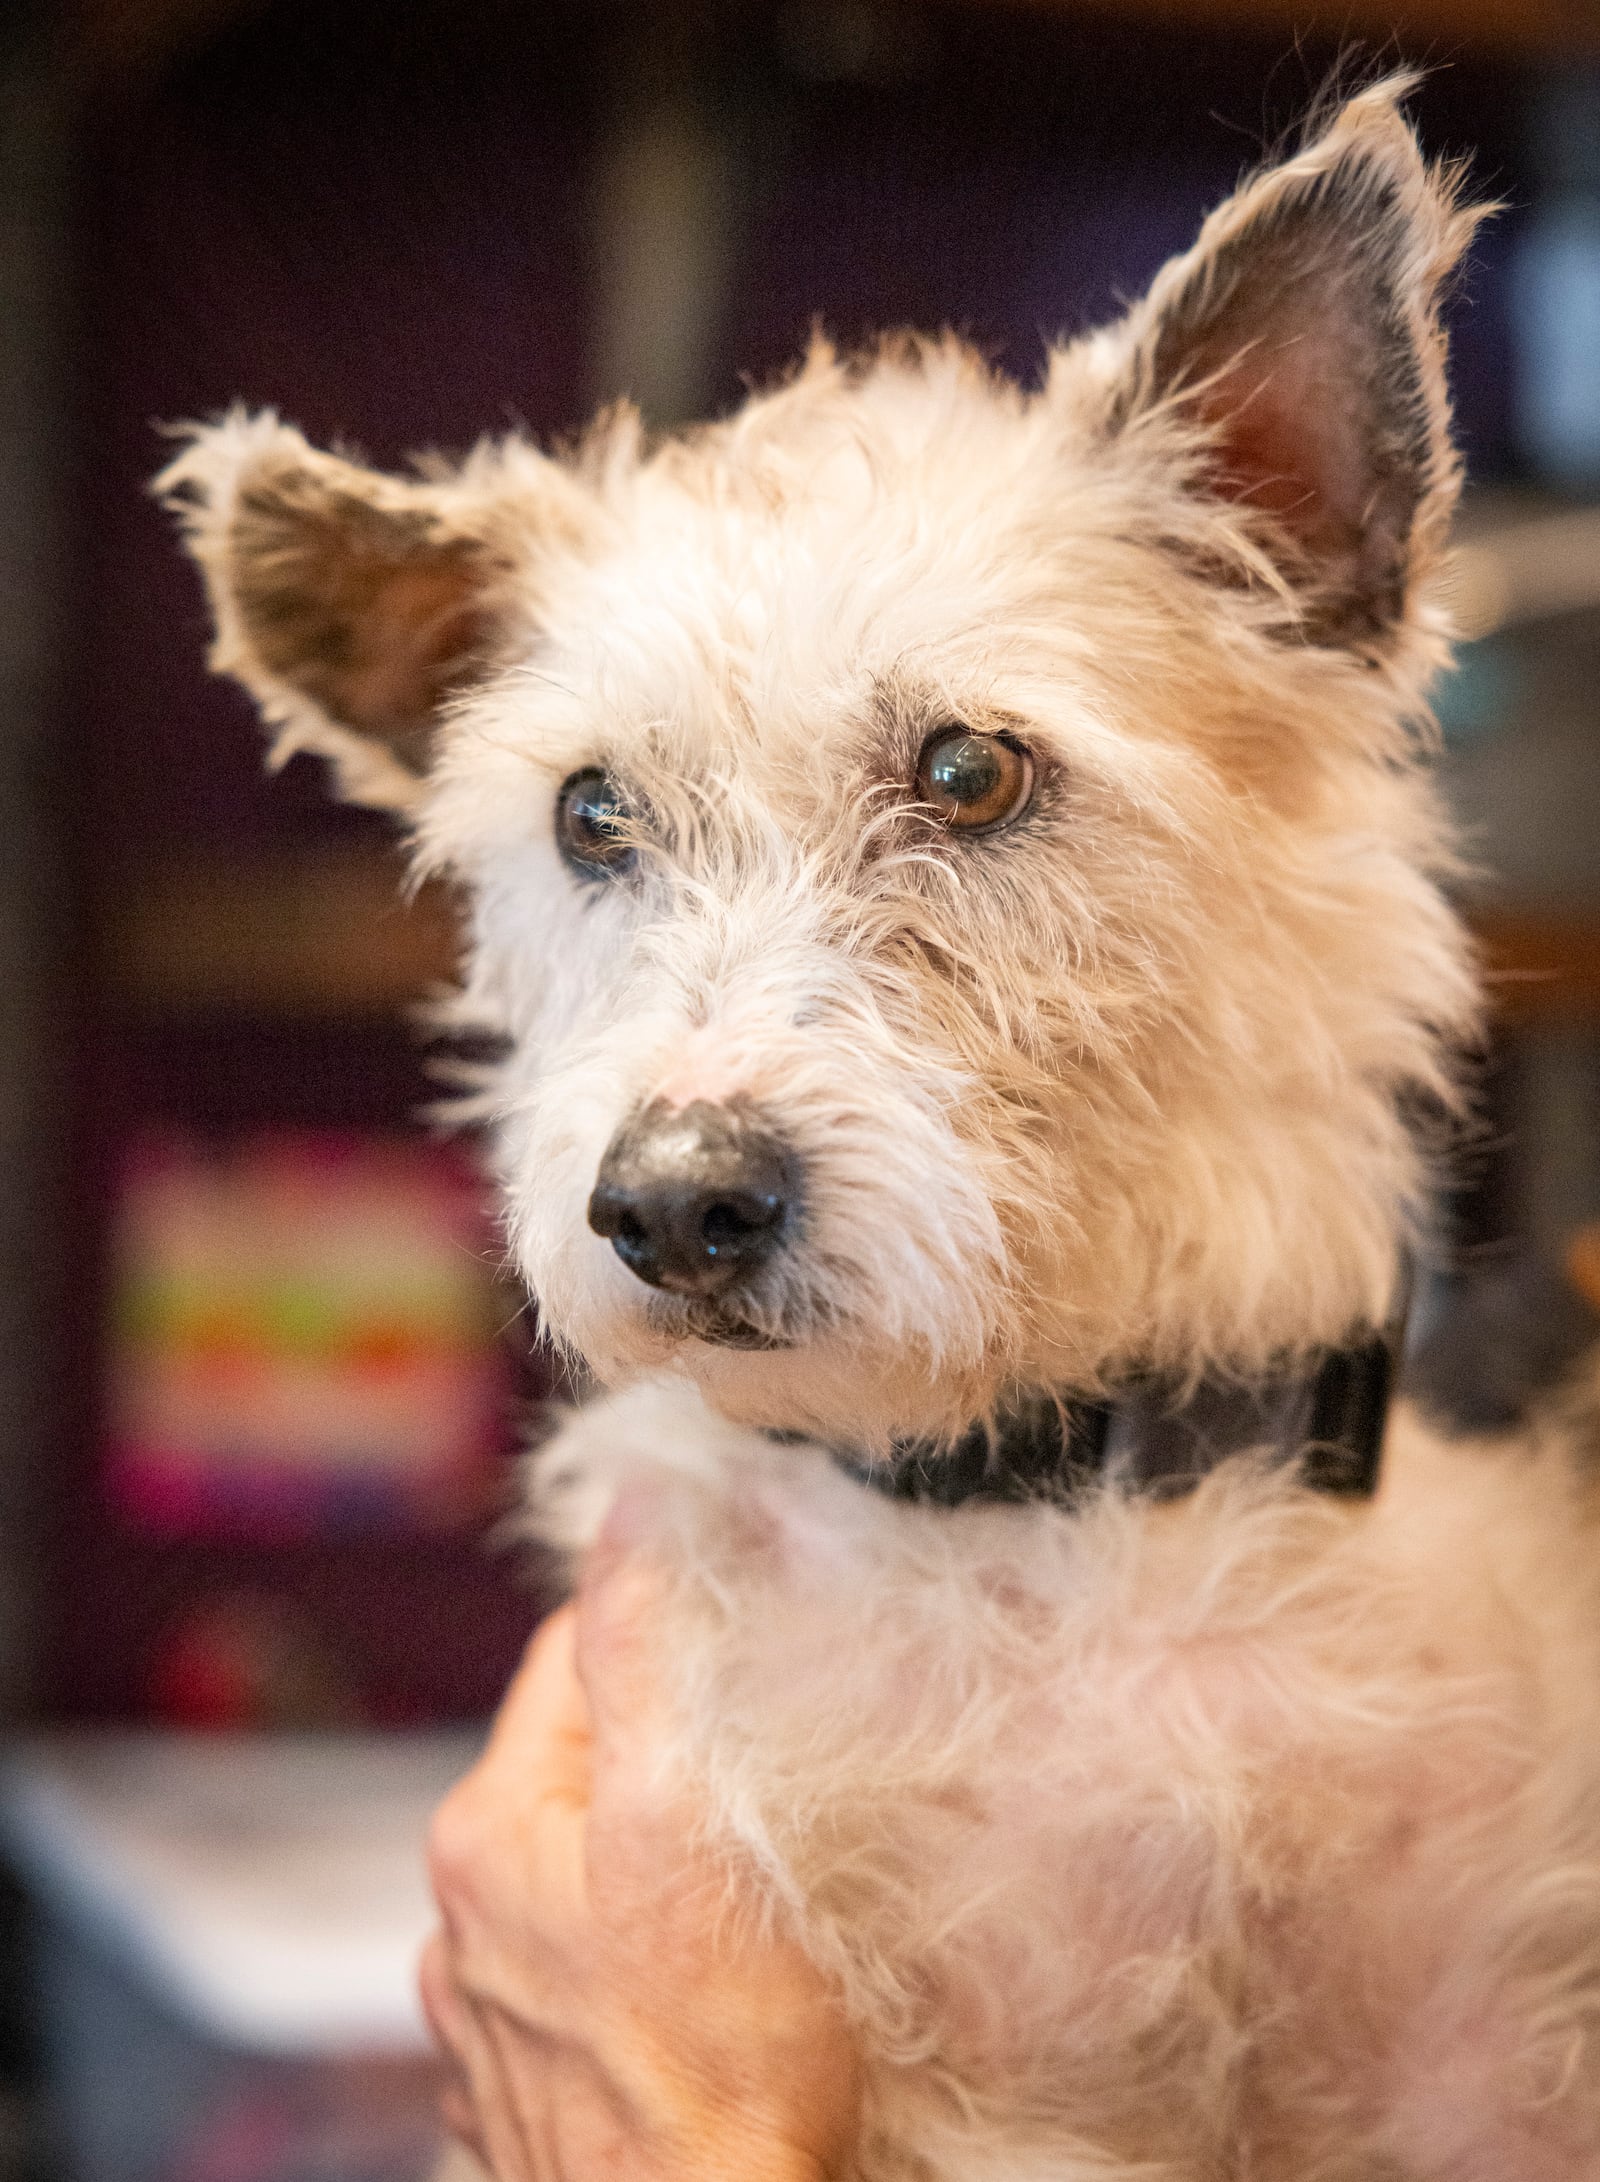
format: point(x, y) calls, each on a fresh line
point(591, 817)
point(976, 782)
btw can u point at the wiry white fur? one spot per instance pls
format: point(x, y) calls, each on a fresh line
point(1166, 1056)
point(1255, 1836)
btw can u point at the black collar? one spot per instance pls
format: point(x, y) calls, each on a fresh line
point(1326, 1418)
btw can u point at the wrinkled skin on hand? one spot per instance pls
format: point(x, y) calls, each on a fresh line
point(603, 2007)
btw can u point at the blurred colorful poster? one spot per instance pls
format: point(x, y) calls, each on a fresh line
point(304, 1336)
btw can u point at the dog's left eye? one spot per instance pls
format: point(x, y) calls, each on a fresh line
point(976, 782)
point(591, 827)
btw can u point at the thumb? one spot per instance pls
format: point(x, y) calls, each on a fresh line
point(622, 1623)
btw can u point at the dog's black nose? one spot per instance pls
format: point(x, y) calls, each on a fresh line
point(694, 1198)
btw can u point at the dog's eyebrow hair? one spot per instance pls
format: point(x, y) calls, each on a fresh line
point(526, 671)
point(908, 709)
point(902, 701)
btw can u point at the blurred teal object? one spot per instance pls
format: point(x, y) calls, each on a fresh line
point(1556, 286)
point(1481, 693)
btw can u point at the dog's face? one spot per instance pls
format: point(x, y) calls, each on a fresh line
point(950, 865)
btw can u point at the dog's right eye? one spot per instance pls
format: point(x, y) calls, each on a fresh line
point(591, 816)
point(975, 783)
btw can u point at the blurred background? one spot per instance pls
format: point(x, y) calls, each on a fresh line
point(260, 1382)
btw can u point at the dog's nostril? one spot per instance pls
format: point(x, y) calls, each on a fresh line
point(727, 1222)
point(696, 1198)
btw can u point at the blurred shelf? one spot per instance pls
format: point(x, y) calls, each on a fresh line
point(1543, 966)
point(314, 933)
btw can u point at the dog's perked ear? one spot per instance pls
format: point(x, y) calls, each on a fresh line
point(1299, 340)
point(353, 605)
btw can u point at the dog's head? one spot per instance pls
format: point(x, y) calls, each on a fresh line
point(952, 864)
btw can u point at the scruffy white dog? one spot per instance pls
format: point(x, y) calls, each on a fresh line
point(957, 876)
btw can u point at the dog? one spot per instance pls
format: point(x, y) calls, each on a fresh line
point(956, 875)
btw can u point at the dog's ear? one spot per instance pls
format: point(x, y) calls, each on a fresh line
point(351, 604)
point(1296, 353)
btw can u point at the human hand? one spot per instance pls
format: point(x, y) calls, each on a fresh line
point(604, 2008)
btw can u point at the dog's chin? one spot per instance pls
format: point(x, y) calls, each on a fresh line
point(682, 1319)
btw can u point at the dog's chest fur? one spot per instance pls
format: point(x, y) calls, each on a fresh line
point(1249, 1834)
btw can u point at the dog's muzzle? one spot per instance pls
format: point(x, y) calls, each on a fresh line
point(696, 1199)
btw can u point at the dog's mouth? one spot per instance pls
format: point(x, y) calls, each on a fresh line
point(697, 1318)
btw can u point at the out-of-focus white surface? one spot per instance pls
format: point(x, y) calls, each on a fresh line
point(270, 1889)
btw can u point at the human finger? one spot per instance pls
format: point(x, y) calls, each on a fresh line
point(543, 1721)
point(505, 1855)
point(494, 2110)
point(619, 1620)
point(447, 2018)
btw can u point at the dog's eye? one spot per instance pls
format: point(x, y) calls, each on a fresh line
point(976, 782)
point(590, 815)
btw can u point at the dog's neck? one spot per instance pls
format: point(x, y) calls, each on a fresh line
point(1325, 1417)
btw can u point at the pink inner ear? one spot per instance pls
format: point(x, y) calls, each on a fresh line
point(1302, 332)
point(1307, 403)
point(1290, 441)
point(422, 624)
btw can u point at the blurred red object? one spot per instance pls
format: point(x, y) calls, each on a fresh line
point(241, 1662)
